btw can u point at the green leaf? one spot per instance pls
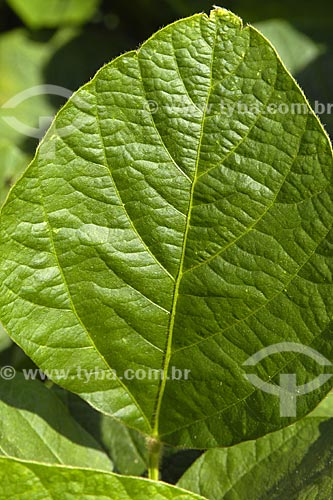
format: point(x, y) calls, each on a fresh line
point(295, 49)
point(35, 425)
point(291, 463)
point(156, 231)
point(23, 481)
point(36, 14)
point(324, 409)
point(20, 109)
point(82, 412)
point(127, 448)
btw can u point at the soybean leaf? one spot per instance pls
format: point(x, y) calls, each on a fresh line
point(82, 412)
point(295, 48)
point(42, 482)
point(162, 228)
point(127, 448)
point(324, 409)
point(291, 463)
point(35, 425)
point(58, 12)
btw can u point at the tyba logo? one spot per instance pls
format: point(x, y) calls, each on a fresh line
point(287, 390)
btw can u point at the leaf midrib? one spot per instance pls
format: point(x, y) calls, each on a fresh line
point(179, 277)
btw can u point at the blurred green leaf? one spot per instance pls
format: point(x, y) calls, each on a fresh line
point(290, 463)
point(35, 425)
point(81, 411)
point(126, 447)
point(25, 105)
point(53, 13)
point(22, 97)
point(295, 49)
point(12, 162)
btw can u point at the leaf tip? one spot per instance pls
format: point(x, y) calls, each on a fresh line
point(219, 12)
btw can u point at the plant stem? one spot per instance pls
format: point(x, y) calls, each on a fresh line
point(154, 457)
